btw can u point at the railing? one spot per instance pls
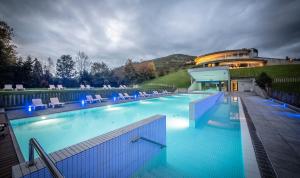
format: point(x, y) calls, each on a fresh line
point(147, 140)
point(33, 144)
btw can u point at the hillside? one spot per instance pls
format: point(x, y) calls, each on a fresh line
point(181, 78)
point(178, 79)
point(171, 63)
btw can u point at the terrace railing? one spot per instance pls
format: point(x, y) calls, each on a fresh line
point(34, 145)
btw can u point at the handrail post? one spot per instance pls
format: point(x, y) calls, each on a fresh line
point(34, 144)
point(31, 153)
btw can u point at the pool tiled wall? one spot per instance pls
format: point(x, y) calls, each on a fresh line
point(109, 155)
point(199, 107)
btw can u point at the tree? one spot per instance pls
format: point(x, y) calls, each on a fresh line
point(7, 48)
point(130, 73)
point(7, 54)
point(83, 62)
point(37, 73)
point(101, 74)
point(146, 71)
point(263, 80)
point(65, 68)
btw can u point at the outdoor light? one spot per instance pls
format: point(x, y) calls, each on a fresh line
point(29, 108)
point(284, 105)
point(115, 99)
point(82, 102)
point(135, 96)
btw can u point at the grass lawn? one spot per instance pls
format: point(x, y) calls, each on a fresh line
point(178, 79)
point(279, 71)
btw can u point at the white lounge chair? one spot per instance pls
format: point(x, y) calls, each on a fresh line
point(51, 87)
point(121, 96)
point(8, 87)
point(121, 86)
point(100, 98)
point(109, 86)
point(142, 94)
point(128, 96)
point(124, 86)
point(60, 87)
point(146, 94)
point(105, 87)
point(19, 87)
point(82, 87)
point(88, 87)
point(38, 103)
point(55, 102)
point(90, 99)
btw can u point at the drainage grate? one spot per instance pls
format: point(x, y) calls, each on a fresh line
point(264, 164)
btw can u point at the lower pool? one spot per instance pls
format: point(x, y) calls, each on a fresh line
point(212, 148)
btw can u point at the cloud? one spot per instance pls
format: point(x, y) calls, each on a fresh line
point(115, 30)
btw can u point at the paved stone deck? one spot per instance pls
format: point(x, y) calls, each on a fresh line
point(279, 130)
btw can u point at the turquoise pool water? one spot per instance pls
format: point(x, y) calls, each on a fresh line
point(212, 148)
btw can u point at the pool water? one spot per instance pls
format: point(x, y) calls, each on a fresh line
point(212, 148)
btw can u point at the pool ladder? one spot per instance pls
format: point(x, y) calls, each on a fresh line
point(34, 145)
point(136, 139)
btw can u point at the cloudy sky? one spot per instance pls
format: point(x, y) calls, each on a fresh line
point(115, 30)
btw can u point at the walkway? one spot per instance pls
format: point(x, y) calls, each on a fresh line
point(279, 130)
point(8, 156)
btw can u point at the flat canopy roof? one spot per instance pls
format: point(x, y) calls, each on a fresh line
point(209, 74)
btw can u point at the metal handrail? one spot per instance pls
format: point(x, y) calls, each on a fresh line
point(148, 140)
point(34, 144)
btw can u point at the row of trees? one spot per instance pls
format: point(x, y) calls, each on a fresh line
point(66, 70)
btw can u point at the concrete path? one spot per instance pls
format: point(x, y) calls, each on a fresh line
point(279, 130)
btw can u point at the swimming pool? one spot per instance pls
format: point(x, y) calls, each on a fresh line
point(211, 149)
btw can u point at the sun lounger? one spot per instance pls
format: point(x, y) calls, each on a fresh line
point(121, 86)
point(146, 94)
point(51, 87)
point(141, 94)
point(121, 96)
point(90, 99)
point(38, 103)
point(109, 86)
point(8, 87)
point(19, 87)
point(105, 87)
point(82, 87)
point(88, 87)
point(100, 98)
point(60, 87)
point(128, 96)
point(55, 102)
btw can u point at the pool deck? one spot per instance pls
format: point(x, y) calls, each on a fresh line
point(23, 113)
point(278, 128)
point(8, 156)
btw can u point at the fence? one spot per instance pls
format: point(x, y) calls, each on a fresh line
point(290, 98)
point(286, 80)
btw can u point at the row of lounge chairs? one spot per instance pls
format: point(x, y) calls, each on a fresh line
point(58, 87)
point(37, 103)
point(10, 87)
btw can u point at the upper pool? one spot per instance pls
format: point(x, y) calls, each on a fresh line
point(211, 149)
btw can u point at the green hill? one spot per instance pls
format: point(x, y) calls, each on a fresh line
point(172, 63)
point(181, 78)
